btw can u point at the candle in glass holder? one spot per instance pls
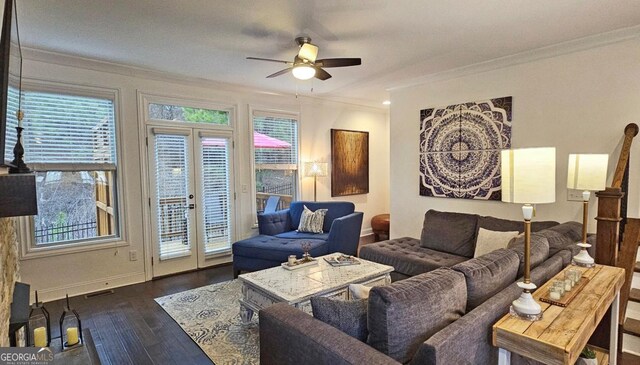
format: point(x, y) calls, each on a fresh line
point(559, 285)
point(40, 337)
point(292, 259)
point(568, 285)
point(554, 294)
point(72, 336)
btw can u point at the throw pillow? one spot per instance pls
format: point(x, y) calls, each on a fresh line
point(349, 316)
point(311, 222)
point(488, 241)
point(359, 291)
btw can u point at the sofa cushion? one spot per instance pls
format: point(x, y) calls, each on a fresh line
point(349, 316)
point(407, 256)
point(488, 240)
point(563, 236)
point(276, 249)
point(547, 270)
point(502, 225)
point(404, 314)
point(539, 250)
point(303, 235)
point(488, 274)
point(334, 210)
point(566, 256)
point(453, 233)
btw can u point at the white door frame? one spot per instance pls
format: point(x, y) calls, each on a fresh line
point(144, 99)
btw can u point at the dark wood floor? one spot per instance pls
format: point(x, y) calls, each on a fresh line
point(129, 327)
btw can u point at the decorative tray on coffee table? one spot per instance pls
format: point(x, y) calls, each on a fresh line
point(300, 264)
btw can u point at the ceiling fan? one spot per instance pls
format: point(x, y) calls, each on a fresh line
point(305, 65)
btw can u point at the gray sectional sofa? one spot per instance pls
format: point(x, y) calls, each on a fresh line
point(436, 314)
point(447, 239)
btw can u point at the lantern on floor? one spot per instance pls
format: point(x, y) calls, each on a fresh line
point(70, 328)
point(39, 327)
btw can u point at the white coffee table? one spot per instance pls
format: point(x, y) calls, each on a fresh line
point(261, 289)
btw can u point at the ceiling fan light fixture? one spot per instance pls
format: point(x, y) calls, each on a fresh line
point(303, 72)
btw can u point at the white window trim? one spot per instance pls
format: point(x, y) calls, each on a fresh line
point(252, 153)
point(28, 249)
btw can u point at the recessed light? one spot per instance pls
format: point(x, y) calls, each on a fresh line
point(386, 102)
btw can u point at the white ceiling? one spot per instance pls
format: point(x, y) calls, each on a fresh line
point(397, 39)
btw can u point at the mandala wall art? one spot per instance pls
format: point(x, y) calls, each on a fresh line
point(460, 149)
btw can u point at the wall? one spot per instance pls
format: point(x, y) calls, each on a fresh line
point(577, 102)
point(84, 272)
point(318, 147)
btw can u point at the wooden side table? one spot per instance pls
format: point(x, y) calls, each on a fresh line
point(562, 333)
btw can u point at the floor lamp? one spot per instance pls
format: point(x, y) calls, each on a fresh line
point(528, 177)
point(587, 172)
point(315, 170)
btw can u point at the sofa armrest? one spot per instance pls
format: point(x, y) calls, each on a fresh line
point(274, 223)
point(344, 235)
point(288, 336)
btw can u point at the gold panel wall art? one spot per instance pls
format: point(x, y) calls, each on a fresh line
point(349, 162)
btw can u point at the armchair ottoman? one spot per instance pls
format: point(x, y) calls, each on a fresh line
point(279, 237)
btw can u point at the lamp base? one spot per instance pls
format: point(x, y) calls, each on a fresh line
point(583, 259)
point(525, 307)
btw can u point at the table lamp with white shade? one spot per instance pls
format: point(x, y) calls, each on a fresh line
point(587, 172)
point(315, 170)
point(528, 177)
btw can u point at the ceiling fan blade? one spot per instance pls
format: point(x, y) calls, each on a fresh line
point(321, 74)
point(268, 59)
point(308, 52)
point(281, 72)
point(338, 62)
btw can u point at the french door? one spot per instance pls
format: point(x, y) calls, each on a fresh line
point(191, 197)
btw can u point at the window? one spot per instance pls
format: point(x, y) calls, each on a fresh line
point(186, 114)
point(275, 142)
point(69, 140)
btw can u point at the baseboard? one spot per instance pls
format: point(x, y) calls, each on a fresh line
point(366, 232)
point(47, 295)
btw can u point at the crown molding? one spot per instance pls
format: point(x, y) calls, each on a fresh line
point(558, 49)
point(75, 61)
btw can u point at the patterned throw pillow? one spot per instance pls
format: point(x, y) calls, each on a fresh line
point(311, 222)
point(349, 316)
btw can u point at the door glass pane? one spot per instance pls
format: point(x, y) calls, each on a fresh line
point(172, 190)
point(216, 194)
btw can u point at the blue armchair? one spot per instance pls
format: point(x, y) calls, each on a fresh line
point(278, 237)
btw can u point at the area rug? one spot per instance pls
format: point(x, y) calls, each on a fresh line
point(210, 315)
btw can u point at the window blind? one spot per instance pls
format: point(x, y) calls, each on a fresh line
point(12, 123)
point(272, 150)
point(216, 194)
point(172, 174)
point(65, 129)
